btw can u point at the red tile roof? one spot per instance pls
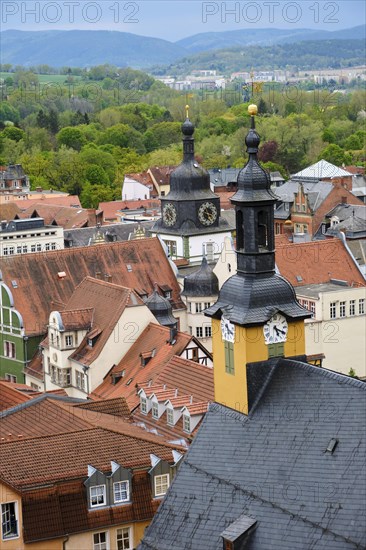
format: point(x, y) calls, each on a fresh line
point(161, 174)
point(153, 337)
point(134, 264)
point(10, 395)
point(69, 200)
point(26, 463)
point(116, 406)
point(112, 210)
point(77, 319)
point(197, 408)
point(9, 211)
point(108, 302)
point(317, 262)
point(63, 216)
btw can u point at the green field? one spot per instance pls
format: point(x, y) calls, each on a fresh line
point(47, 78)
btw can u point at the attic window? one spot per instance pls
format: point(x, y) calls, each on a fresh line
point(332, 445)
point(129, 381)
point(14, 284)
point(61, 274)
point(129, 268)
point(298, 278)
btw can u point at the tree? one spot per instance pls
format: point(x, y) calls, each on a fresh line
point(92, 195)
point(96, 175)
point(8, 112)
point(14, 133)
point(267, 151)
point(335, 155)
point(71, 137)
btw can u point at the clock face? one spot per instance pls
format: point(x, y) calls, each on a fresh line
point(169, 214)
point(207, 213)
point(275, 330)
point(227, 330)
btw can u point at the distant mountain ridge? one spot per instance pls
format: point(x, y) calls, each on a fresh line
point(264, 37)
point(78, 48)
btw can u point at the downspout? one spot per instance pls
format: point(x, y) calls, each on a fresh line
point(64, 542)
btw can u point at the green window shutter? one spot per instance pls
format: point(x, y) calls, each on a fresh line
point(229, 357)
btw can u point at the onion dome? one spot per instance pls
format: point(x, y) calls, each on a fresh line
point(253, 181)
point(202, 282)
point(161, 308)
point(189, 180)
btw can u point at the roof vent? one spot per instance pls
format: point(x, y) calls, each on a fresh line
point(298, 278)
point(332, 445)
point(129, 267)
point(338, 282)
point(61, 274)
point(14, 284)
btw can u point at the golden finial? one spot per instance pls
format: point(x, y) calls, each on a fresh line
point(252, 110)
point(187, 111)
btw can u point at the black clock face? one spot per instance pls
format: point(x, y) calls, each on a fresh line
point(169, 214)
point(207, 213)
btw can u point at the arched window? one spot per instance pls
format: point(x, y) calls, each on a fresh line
point(239, 231)
point(263, 229)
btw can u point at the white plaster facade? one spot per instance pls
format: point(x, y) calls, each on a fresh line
point(134, 190)
point(62, 371)
point(194, 247)
point(31, 240)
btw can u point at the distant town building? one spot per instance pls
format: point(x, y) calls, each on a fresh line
point(29, 235)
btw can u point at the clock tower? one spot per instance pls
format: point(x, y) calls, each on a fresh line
point(256, 316)
point(190, 223)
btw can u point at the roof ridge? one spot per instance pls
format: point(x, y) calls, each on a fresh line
point(343, 378)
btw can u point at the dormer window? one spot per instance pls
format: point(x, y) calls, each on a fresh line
point(168, 294)
point(170, 417)
point(155, 410)
point(121, 491)
point(187, 423)
point(161, 484)
point(90, 342)
point(143, 405)
point(97, 495)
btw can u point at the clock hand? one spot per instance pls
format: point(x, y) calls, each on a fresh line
point(278, 330)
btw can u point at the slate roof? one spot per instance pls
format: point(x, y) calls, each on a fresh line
point(273, 466)
point(317, 191)
point(202, 282)
point(317, 262)
point(252, 300)
point(321, 170)
point(84, 236)
point(134, 264)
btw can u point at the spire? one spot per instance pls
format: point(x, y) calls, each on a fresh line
point(188, 140)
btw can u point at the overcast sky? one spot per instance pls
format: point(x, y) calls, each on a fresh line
point(176, 19)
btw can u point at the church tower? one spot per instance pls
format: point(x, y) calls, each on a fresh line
point(190, 223)
point(256, 316)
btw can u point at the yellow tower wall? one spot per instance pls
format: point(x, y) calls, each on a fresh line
point(249, 347)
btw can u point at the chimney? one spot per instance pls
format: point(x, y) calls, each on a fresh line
point(98, 274)
point(107, 278)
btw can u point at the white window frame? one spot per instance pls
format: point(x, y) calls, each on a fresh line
point(9, 349)
point(143, 405)
point(361, 306)
point(199, 332)
point(342, 309)
point(198, 307)
point(80, 380)
point(69, 340)
point(122, 539)
point(6, 512)
point(10, 377)
point(155, 410)
point(170, 416)
point(160, 482)
point(100, 545)
point(208, 331)
point(352, 307)
point(97, 495)
point(116, 490)
point(187, 423)
point(333, 310)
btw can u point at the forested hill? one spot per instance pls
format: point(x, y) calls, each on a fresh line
point(322, 54)
point(265, 37)
point(85, 49)
point(78, 48)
